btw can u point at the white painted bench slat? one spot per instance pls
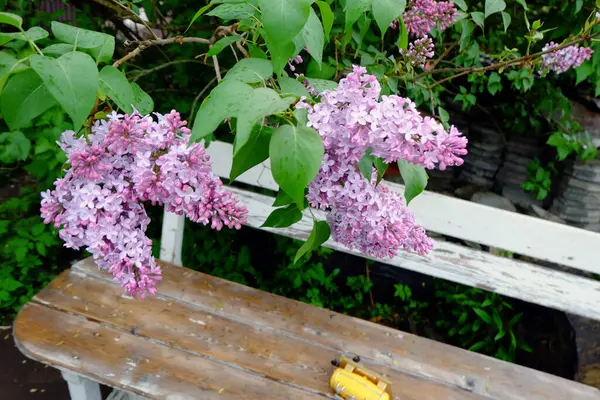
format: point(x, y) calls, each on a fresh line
point(521, 234)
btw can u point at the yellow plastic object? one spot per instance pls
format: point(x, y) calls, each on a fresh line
point(353, 382)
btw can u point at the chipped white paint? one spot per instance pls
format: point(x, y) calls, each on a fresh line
point(81, 388)
point(197, 321)
point(171, 239)
point(462, 219)
point(471, 267)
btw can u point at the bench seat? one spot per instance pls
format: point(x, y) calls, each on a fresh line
point(202, 338)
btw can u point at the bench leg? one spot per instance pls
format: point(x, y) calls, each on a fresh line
point(81, 388)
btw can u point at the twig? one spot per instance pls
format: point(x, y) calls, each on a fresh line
point(468, 70)
point(217, 70)
point(369, 279)
point(444, 55)
point(161, 66)
point(144, 44)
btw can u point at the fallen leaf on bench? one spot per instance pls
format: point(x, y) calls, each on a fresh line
point(221, 390)
point(60, 343)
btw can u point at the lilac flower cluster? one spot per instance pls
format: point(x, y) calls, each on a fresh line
point(352, 119)
point(419, 51)
point(297, 60)
point(568, 57)
point(125, 160)
point(422, 15)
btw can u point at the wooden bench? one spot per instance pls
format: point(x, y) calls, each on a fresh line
point(206, 338)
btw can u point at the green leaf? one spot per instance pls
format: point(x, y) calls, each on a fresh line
point(264, 102)
point(506, 20)
point(485, 317)
point(327, 17)
point(312, 32)
point(16, 147)
point(24, 98)
point(324, 71)
point(198, 15)
point(142, 100)
point(10, 284)
point(319, 235)
point(283, 217)
point(354, 9)
point(224, 101)
point(72, 79)
point(583, 71)
point(253, 152)
point(444, 116)
point(9, 65)
point(477, 346)
point(403, 35)
point(114, 84)
point(222, 43)
point(100, 45)
point(291, 85)
point(58, 49)
point(465, 36)
point(385, 11)
point(494, 6)
point(39, 246)
point(11, 19)
point(282, 199)
point(381, 167)
point(499, 335)
point(320, 85)
point(494, 84)
point(478, 18)
point(296, 155)
point(414, 177)
point(497, 319)
point(233, 11)
point(33, 34)
point(462, 4)
point(365, 165)
point(250, 70)
point(282, 21)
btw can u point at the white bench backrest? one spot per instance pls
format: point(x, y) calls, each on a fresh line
point(521, 234)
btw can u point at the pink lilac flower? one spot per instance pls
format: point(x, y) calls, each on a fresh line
point(419, 51)
point(568, 57)
point(125, 160)
point(422, 15)
point(351, 119)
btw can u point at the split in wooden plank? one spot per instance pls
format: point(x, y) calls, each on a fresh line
point(378, 344)
point(462, 219)
point(509, 277)
point(264, 351)
point(121, 359)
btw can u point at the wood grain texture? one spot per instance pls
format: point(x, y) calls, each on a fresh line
point(123, 360)
point(199, 332)
point(509, 277)
point(392, 350)
point(462, 219)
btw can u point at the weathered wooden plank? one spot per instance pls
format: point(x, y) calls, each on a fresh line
point(462, 219)
point(264, 351)
point(379, 344)
point(509, 277)
point(149, 368)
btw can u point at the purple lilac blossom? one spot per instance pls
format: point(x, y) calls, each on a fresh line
point(562, 60)
point(125, 160)
point(352, 119)
point(419, 51)
point(422, 15)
